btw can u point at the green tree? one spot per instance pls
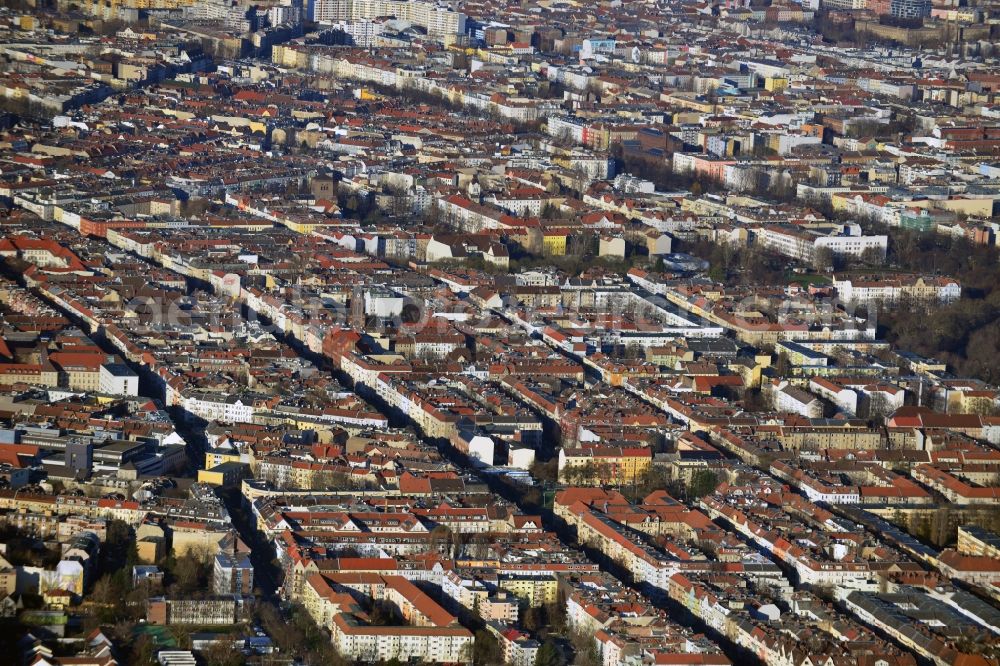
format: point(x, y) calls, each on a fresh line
point(823, 259)
point(143, 651)
point(548, 655)
point(222, 654)
point(181, 635)
point(555, 615)
point(533, 619)
point(942, 531)
point(783, 366)
point(190, 574)
point(384, 614)
point(486, 650)
point(587, 653)
point(703, 482)
point(547, 470)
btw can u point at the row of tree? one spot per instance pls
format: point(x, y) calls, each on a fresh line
point(964, 334)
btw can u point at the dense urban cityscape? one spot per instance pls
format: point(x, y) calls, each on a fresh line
point(548, 332)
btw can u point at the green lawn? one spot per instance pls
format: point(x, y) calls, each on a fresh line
point(160, 634)
point(43, 618)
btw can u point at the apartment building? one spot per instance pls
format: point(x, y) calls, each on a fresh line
point(117, 379)
point(596, 465)
point(862, 291)
point(79, 371)
point(216, 610)
point(802, 244)
point(232, 574)
point(28, 373)
point(438, 20)
point(974, 540)
point(430, 635)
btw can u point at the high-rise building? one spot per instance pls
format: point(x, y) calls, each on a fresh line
point(232, 574)
point(847, 5)
point(910, 9)
point(438, 20)
point(331, 11)
point(79, 456)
